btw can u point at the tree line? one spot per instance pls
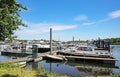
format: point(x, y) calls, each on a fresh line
point(114, 40)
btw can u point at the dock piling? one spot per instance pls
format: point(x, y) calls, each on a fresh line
point(50, 41)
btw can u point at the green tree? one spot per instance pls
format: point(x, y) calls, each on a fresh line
point(114, 40)
point(10, 18)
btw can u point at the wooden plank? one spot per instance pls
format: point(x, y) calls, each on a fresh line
point(17, 60)
point(91, 58)
point(38, 59)
point(54, 57)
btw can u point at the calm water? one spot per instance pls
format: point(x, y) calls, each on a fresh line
point(3, 57)
point(79, 68)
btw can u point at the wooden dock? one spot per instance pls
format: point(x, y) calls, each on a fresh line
point(95, 59)
point(91, 58)
point(17, 60)
point(16, 52)
point(27, 59)
point(54, 57)
point(22, 61)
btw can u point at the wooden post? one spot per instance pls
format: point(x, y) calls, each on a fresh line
point(50, 41)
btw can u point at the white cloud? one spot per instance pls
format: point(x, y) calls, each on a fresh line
point(88, 23)
point(81, 18)
point(34, 29)
point(114, 14)
point(63, 27)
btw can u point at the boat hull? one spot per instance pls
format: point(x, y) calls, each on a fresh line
point(92, 58)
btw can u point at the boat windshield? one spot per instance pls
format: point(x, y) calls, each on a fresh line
point(87, 49)
point(84, 48)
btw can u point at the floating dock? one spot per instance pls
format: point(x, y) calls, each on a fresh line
point(103, 60)
point(87, 57)
point(26, 59)
point(54, 57)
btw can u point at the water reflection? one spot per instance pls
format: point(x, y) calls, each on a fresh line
point(4, 57)
point(50, 67)
point(94, 69)
point(80, 68)
point(34, 66)
point(73, 68)
point(115, 48)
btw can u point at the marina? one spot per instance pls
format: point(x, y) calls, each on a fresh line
point(99, 52)
point(80, 68)
point(77, 56)
point(59, 38)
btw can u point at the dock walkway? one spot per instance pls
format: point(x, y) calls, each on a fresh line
point(17, 52)
point(27, 59)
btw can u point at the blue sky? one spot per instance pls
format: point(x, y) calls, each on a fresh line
point(83, 19)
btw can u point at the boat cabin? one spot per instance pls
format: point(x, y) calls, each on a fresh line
point(85, 48)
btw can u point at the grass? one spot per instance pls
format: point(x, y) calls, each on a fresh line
point(12, 70)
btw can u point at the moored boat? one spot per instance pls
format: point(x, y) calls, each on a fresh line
point(87, 52)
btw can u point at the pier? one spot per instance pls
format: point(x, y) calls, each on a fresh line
point(28, 59)
point(16, 53)
point(53, 55)
point(102, 60)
